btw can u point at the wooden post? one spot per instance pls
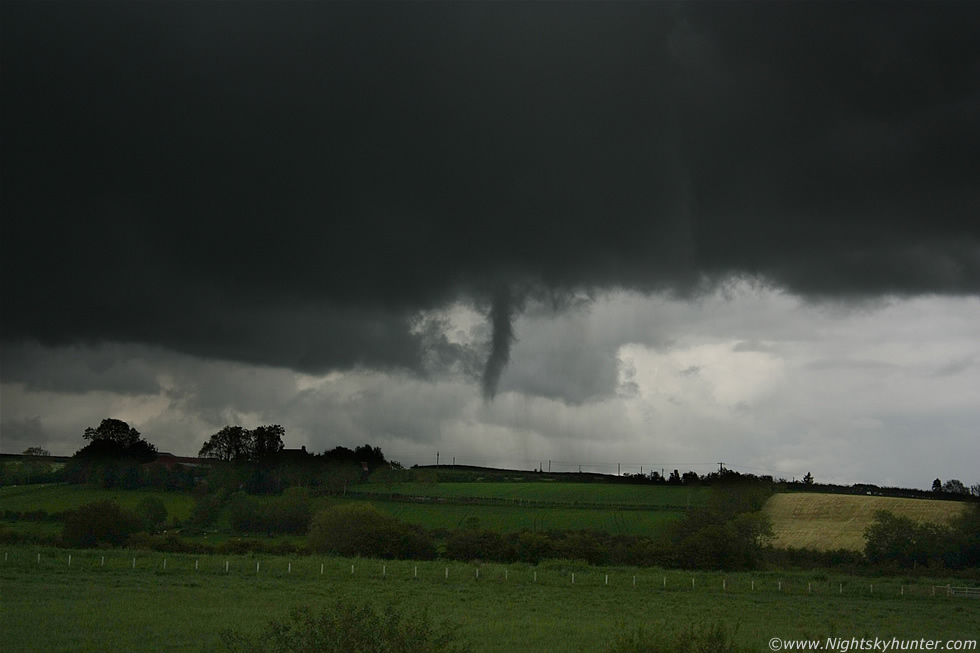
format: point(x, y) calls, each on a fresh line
point(321, 568)
point(573, 578)
point(134, 563)
point(165, 563)
point(69, 560)
point(102, 564)
point(226, 566)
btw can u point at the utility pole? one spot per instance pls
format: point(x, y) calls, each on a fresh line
point(721, 467)
point(437, 459)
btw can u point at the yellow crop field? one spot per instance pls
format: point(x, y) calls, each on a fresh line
point(837, 521)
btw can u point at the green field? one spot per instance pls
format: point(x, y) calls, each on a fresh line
point(52, 607)
point(566, 493)
point(62, 496)
point(508, 519)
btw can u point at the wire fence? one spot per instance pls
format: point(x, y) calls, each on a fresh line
point(554, 573)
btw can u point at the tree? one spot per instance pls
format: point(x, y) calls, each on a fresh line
point(230, 443)
point(954, 486)
point(111, 457)
point(267, 441)
point(808, 479)
point(114, 430)
point(36, 451)
point(937, 485)
point(235, 443)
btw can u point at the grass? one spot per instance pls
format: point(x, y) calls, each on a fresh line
point(588, 493)
point(507, 519)
point(53, 607)
point(836, 521)
point(59, 497)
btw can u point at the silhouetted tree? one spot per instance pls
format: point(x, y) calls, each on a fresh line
point(36, 451)
point(230, 443)
point(238, 444)
point(937, 486)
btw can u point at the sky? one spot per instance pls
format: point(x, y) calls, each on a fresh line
point(619, 236)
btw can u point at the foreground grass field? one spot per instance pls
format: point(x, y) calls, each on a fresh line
point(838, 521)
point(126, 606)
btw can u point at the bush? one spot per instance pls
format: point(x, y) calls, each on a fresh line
point(359, 529)
point(717, 638)
point(153, 512)
point(349, 627)
point(99, 523)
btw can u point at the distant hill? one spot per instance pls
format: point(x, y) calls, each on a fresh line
point(836, 521)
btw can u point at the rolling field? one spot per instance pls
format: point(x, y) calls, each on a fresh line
point(52, 607)
point(62, 496)
point(509, 519)
point(570, 493)
point(837, 521)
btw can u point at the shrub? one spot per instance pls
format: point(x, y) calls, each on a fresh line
point(360, 529)
point(717, 638)
point(99, 523)
point(153, 512)
point(348, 627)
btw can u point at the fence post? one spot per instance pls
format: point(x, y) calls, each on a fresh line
point(535, 576)
point(134, 563)
point(447, 573)
point(102, 564)
point(289, 569)
point(195, 565)
point(226, 566)
point(692, 583)
point(69, 560)
point(321, 568)
point(164, 563)
point(573, 578)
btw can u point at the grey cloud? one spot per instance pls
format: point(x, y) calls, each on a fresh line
point(288, 184)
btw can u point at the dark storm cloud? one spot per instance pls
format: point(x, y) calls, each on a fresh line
point(288, 183)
